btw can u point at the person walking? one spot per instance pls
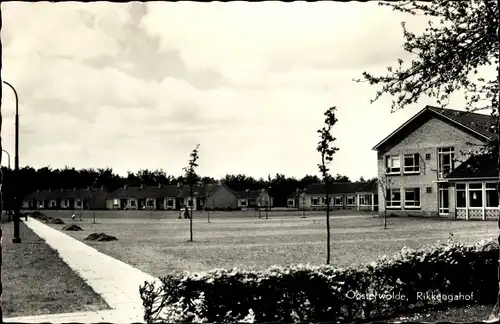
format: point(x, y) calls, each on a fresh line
point(186, 212)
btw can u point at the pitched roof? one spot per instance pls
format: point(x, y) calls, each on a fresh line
point(370, 186)
point(62, 194)
point(477, 166)
point(248, 193)
point(167, 191)
point(334, 188)
point(478, 124)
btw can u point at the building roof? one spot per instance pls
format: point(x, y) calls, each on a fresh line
point(62, 194)
point(477, 124)
point(477, 166)
point(167, 191)
point(371, 187)
point(249, 194)
point(335, 188)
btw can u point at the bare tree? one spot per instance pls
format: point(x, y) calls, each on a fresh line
point(385, 183)
point(192, 179)
point(326, 149)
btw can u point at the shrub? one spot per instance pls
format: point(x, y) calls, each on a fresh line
point(72, 227)
point(325, 293)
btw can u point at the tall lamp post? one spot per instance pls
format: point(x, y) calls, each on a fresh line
point(17, 203)
point(8, 156)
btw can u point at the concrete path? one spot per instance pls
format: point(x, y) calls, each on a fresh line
point(117, 282)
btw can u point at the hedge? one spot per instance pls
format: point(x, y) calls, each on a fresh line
point(453, 273)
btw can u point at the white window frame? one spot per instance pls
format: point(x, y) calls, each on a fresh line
point(353, 200)
point(461, 190)
point(389, 201)
point(243, 202)
point(364, 198)
point(290, 202)
point(486, 189)
point(337, 201)
point(315, 201)
point(469, 191)
point(389, 164)
point(169, 203)
point(133, 203)
point(415, 167)
point(150, 203)
point(415, 205)
point(443, 210)
point(441, 152)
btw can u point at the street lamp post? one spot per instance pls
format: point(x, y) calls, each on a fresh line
point(8, 156)
point(17, 203)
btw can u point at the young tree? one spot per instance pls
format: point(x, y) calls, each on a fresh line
point(326, 149)
point(448, 58)
point(191, 179)
point(385, 183)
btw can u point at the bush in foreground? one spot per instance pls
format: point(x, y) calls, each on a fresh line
point(325, 293)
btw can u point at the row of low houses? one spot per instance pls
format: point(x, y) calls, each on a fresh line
point(360, 196)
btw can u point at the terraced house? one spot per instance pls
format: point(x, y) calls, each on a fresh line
point(424, 166)
point(66, 199)
point(342, 195)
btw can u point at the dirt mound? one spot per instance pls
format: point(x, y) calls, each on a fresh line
point(56, 221)
point(100, 237)
point(72, 227)
point(39, 216)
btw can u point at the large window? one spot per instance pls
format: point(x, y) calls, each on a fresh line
point(491, 195)
point(151, 203)
point(170, 203)
point(132, 203)
point(314, 201)
point(461, 195)
point(337, 201)
point(411, 163)
point(291, 202)
point(475, 195)
point(393, 198)
point(446, 164)
point(412, 198)
point(365, 200)
point(392, 164)
point(350, 201)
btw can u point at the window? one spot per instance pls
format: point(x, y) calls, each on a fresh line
point(243, 202)
point(350, 201)
point(427, 156)
point(446, 162)
point(291, 202)
point(190, 202)
point(115, 202)
point(78, 202)
point(393, 198)
point(412, 198)
point(491, 195)
point(411, 164)
point(428, 189)
point(337, 201)
point(150, 203)
point(365, 200)
point(314, 201)
point(392, 164)
point(170, 203)
point(475, 195)
point(132, 203)
point(323, 201)
point(461, 195)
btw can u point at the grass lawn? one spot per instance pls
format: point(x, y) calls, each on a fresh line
point(36, 281)
point(157, 243)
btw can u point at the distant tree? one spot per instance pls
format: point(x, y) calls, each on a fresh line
point(341, 178)
point(361, 179)
point(448, 57)
point(192, 179)
point(326, 149)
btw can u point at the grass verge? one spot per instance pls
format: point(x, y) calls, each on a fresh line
point(37, 282)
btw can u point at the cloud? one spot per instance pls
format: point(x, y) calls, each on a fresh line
point(138, 85)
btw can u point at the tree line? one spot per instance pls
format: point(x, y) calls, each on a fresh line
point(31, 179)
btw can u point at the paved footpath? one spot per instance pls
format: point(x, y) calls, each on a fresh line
point(117, 282)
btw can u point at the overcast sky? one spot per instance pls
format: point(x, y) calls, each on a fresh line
point(136, 86)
